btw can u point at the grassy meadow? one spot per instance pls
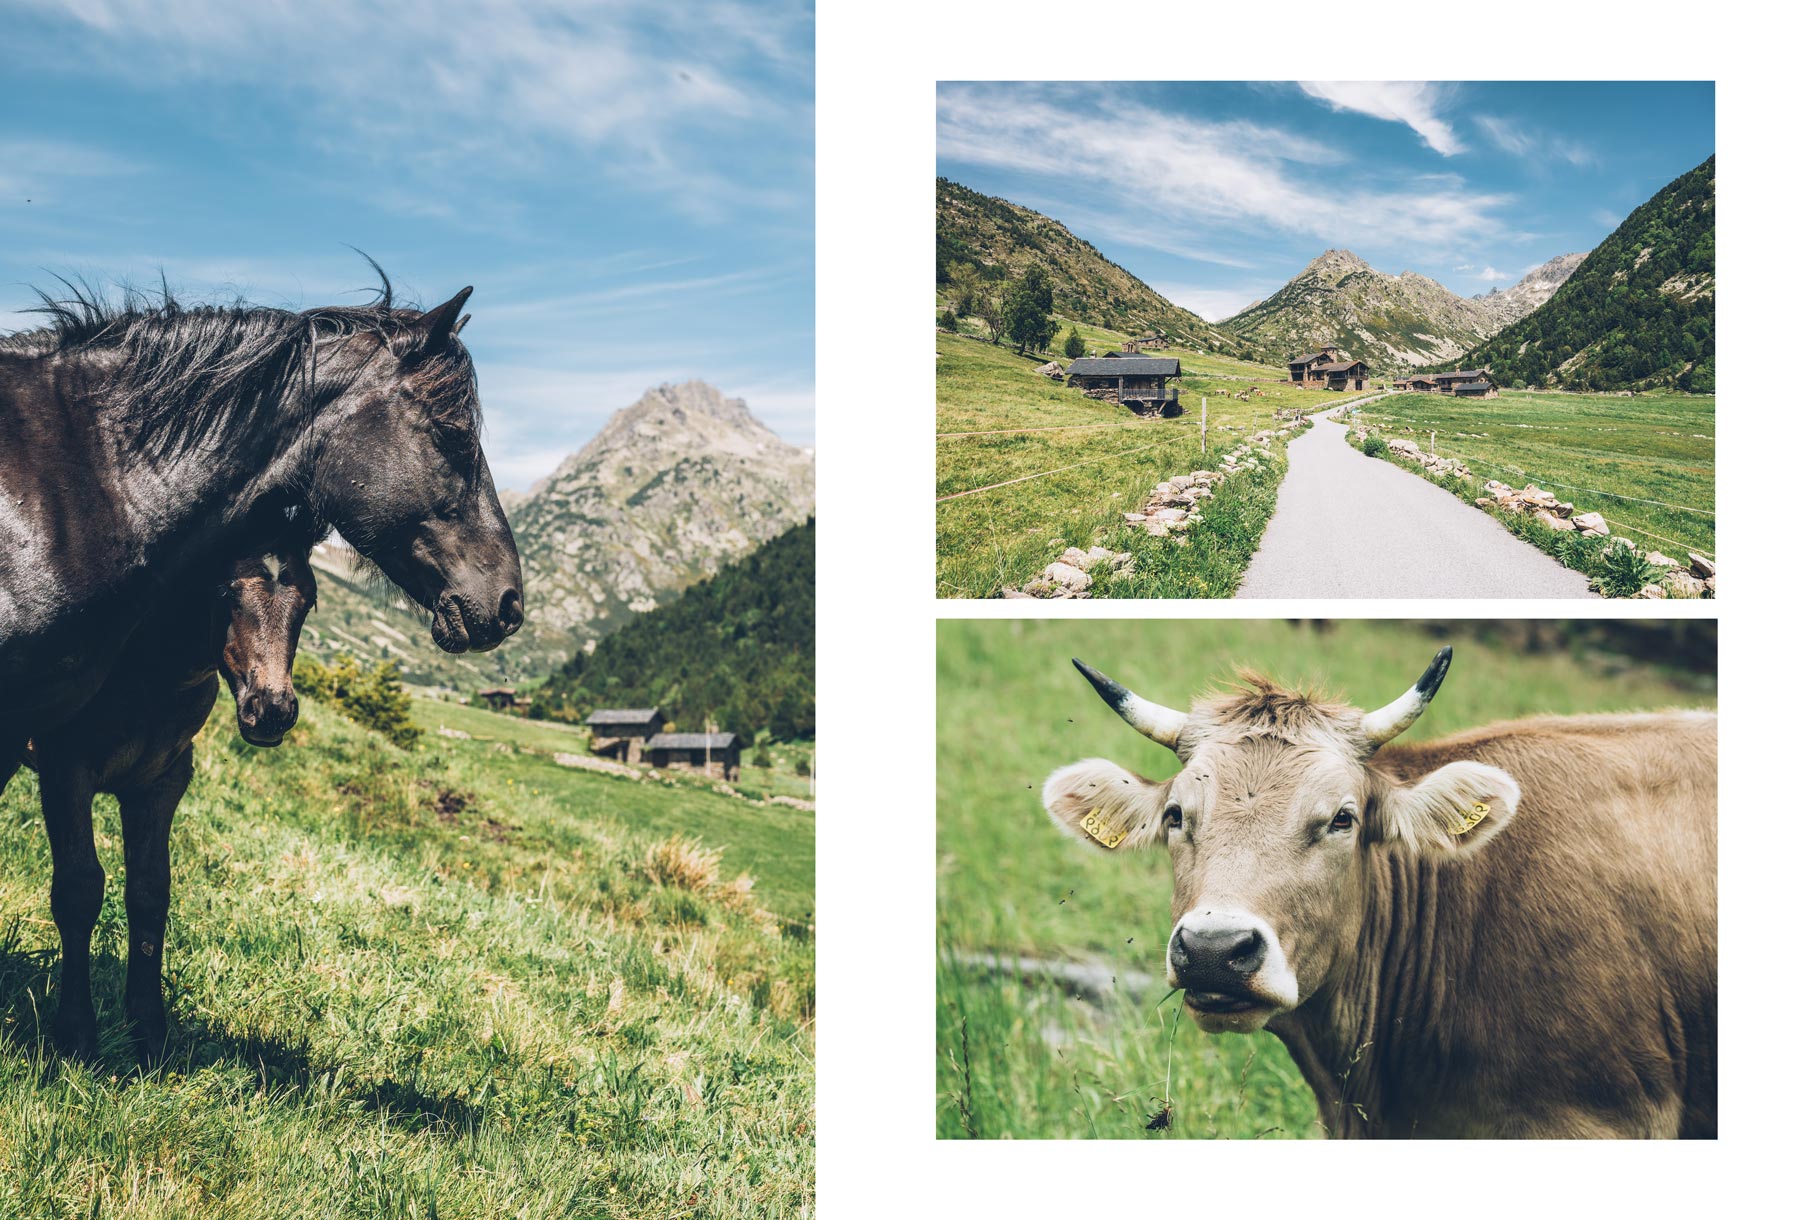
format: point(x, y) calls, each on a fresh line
point(460, 981)
point(999, 539)
point(1656, 446)
point(1021, 1059)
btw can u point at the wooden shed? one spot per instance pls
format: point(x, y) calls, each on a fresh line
point(713, 754)
point(1463, 381)
point(620, 733)
point(1140, 383)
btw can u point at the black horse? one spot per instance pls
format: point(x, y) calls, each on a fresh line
point(142, 443)
point(134, 739)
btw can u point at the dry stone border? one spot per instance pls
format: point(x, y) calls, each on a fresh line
point(1171, 510)
point(1696, 577)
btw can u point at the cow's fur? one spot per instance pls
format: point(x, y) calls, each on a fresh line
point(1551, 972)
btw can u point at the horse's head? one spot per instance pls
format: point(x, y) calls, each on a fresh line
point(404, 480)
point(267, 598)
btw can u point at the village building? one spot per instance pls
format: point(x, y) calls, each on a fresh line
point(499, 698)
point(1420, 384)
point(1322, 370)
point(1466, 383)
point(1303, 369)
point(711, 754)
point(1140, 383)
point(621, 733)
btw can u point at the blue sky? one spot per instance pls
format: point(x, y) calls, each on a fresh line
point(1217, 194)
point(628, 185)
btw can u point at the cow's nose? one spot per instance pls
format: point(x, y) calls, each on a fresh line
point(1216, 958)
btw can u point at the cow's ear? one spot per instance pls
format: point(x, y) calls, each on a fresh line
point(1106, 806)
point(1457, 808)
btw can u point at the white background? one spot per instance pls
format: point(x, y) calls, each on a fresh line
point(877, 71)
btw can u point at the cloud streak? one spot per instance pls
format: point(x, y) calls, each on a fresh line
point(1415, 103)
point(1188, 169)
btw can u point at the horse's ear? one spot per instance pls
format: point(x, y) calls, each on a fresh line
point(436, 327)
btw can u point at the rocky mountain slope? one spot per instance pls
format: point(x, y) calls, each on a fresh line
point(1637, 313)
point(672, 488)
point(1507, 305)
point(1395, 322)
point(1000, 239)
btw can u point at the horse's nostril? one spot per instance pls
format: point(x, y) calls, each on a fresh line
point(512, 610)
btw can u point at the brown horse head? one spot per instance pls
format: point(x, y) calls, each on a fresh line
point(267, 597)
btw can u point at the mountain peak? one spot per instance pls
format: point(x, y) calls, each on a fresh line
point(1335, 265)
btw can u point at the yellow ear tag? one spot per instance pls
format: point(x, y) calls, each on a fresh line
point(1470, 819)
point(1103, 832)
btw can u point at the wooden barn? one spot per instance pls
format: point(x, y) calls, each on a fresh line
point(499, 698)
point(1420, 384)
point(1466, 383)
point(1345, 375)
point(621, 733)
point(713, 754)
point(1140, 383)
point(1310, 367)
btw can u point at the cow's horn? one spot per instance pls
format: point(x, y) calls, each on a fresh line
point(1389, 722)
point(1160, 724)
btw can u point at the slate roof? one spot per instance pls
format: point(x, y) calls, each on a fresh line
point(1314, 356)
point(1480, 387)
point(692, 741)
point(1344, 366)
point(1125, 366)
point(1462, 375)
point(624, 715)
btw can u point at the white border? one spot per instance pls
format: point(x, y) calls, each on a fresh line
point(877, 71)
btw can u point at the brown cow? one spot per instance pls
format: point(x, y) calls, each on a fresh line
point(1509, 932)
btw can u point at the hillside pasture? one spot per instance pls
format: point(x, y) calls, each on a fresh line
point(1603, 453)
point(1021, 1058)
point(455, 982)
point(998, 420)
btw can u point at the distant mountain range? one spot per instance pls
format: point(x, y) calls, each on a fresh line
point(1000, 239)
point(1394, 322)
point(674, 487)
point(1637, 313)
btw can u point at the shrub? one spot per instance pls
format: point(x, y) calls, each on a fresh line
point(1373, 445)
point(1620, 570)
point(372, 698)
point(802, 768)
point(1073, 347)
point(947, 320)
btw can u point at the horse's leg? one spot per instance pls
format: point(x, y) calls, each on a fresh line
point(146, 815)
point(77, 886)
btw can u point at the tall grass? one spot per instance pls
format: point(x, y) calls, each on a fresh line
point(432, 983)
point(1022, 1058)
point(1001, 538)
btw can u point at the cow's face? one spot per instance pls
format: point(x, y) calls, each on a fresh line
point(1272, 825)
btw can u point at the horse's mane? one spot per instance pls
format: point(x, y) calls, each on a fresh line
point(189, 375)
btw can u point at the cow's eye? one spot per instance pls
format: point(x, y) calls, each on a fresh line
point(1172, 817)
point(1344, 819)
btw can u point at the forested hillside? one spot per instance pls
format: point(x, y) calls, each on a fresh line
point(737, 647)
point(1637, 313)
point(995, 240)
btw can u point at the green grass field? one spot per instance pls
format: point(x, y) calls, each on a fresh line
point(1000, 538)
point(546, 737)
point(1583, 447)
point(457, 982)
point(1024, 1060)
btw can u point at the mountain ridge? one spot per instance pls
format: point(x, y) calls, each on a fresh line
point(669, 490)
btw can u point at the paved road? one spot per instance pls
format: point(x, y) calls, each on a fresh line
point(1346, 525)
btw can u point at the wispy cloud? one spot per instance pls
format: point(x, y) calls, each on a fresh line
point(515, 82)
point(1415, 103)
point(1188, 169)
point(1510, 137)
point(1490, 275)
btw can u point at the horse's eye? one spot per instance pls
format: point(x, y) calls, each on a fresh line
point(1172, 817)
point(1344, 820)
